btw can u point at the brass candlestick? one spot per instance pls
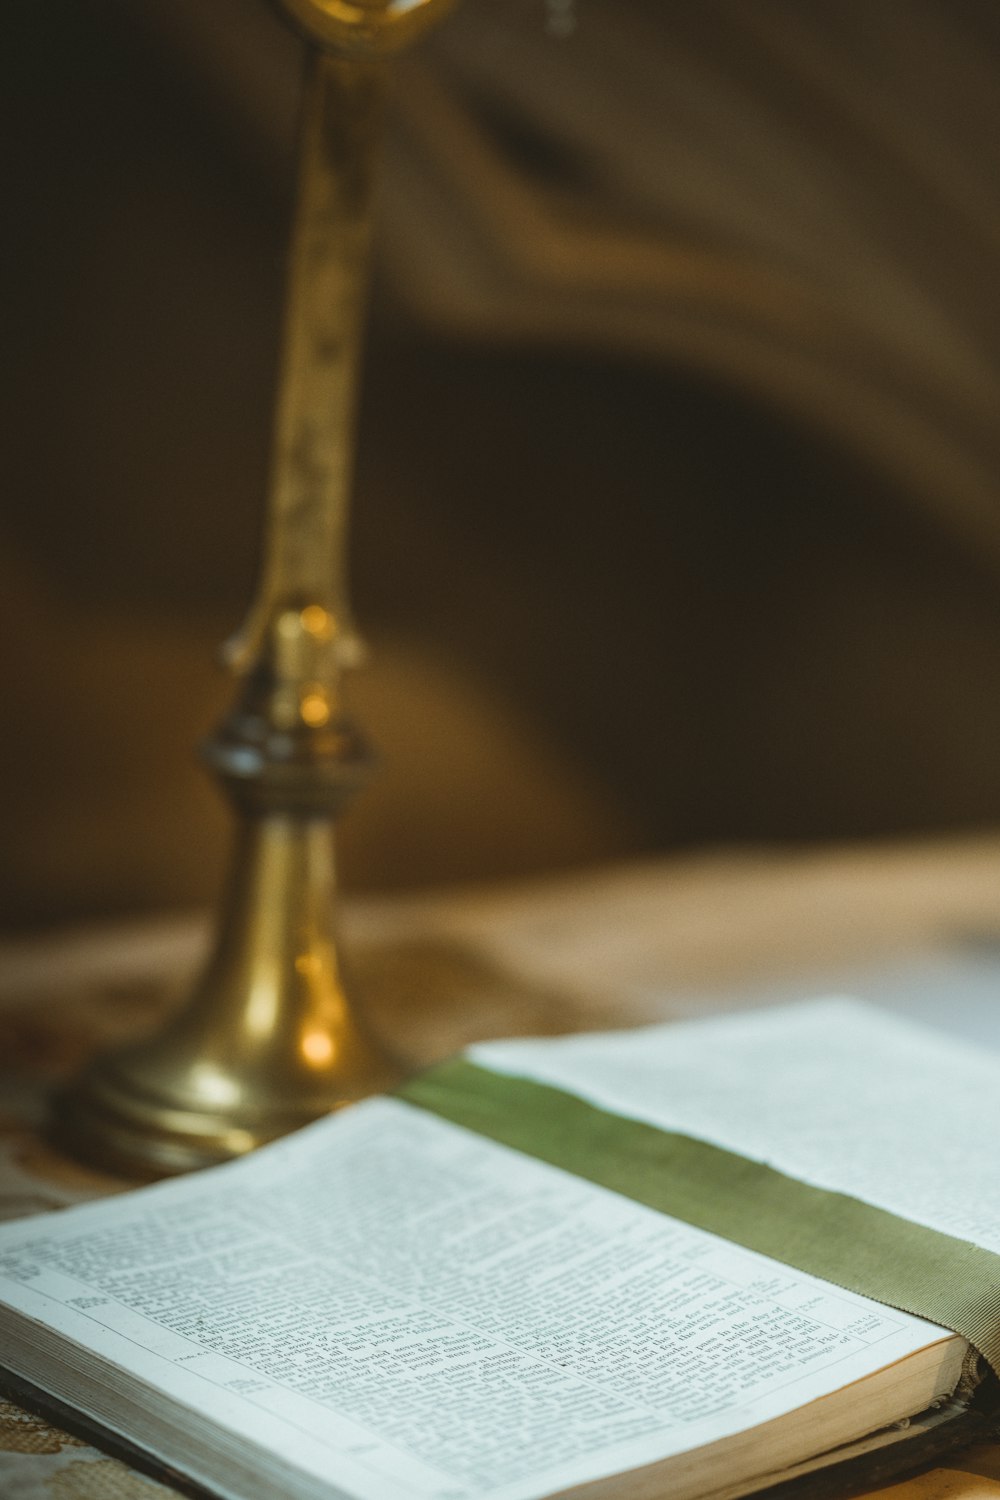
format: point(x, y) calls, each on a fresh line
point(270, 1038)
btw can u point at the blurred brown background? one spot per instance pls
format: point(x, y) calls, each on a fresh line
point(677, 518)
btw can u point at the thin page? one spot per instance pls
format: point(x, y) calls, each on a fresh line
point(832, 1092)
point(404, 1309)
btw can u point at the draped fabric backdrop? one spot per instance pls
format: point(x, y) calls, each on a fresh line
point(677, 512)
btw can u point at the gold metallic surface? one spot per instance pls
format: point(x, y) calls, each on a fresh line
point(365, 28)
point(268, 1041)
point(270, 1038)
point(301, 614)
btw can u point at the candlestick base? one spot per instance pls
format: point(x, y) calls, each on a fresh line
point(268, 1041)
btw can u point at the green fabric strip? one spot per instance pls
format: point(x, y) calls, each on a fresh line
point(865, 1249)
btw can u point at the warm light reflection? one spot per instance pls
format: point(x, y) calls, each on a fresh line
point(314, 708)
point(212, 1086)
point(262, 1009)
point(287, 624)
point(319, 622)
point(317, 1048)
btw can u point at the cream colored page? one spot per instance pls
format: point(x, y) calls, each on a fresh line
point(832, 1092)
point(408, 1310)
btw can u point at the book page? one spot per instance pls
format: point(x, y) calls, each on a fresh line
point(832, 1092)
point(405, 1309)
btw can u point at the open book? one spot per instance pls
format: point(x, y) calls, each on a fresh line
point(479, 1288)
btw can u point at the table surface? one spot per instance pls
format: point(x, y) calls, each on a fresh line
point(909, 927)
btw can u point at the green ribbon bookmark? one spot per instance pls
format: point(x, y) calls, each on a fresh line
point(826, 1234)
